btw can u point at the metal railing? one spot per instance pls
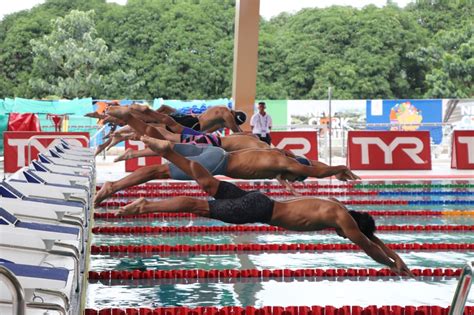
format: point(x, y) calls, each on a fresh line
point(462, 290)
point(18, 295)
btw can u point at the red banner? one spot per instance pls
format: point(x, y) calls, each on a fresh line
point(304, 143)
point(16, 145)
point(462, 149)
point(134, 164)
point(389, 150)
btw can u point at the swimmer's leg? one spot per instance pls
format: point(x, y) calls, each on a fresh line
point(140, 176)
point(177, 204)
point(193, 169)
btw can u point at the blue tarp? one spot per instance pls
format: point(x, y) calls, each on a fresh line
point(194, 106)
point(71, 107)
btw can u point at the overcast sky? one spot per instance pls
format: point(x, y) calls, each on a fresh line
point(268, 8)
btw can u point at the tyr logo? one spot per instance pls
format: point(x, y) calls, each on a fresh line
point(302, 144)
point(41, 146)
point(412, 152)
point(469, 141)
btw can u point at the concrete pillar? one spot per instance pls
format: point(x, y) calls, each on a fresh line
point(247, 18)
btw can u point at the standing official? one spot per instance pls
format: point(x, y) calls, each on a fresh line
point(261, 124)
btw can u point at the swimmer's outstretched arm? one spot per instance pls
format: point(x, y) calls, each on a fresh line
point(139, 126)
point(296, 168)
point(289, 187)
point(390, 253)
point(344, 175)
point(374, 248)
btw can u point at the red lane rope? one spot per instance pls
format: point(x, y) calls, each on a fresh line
point(347, 202)
point(279, 310)
point(260, 228)
point(200, 193)
point(265, 273)
point(176, 186)
point(109, 215)
point(218, 248)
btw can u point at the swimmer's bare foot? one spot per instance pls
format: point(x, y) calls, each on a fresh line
point(105, 191)
point(126, 155)
point(158, 146)
point(135, 207)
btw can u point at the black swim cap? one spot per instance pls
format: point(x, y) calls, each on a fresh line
point(240, 117)
point(304, 161)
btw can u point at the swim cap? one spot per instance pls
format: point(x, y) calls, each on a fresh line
point(304, 161)
point(240, 117)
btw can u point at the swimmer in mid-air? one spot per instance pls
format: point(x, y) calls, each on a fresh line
point(214, 118)
point(234, 205)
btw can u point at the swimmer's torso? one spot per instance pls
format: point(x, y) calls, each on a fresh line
point(305, 214)
point(254, 164)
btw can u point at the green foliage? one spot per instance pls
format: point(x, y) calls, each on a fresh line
point(183, 49)
point(72, 61)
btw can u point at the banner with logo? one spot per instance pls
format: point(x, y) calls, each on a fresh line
point(134, 164)
point(462, 152)
point(303, 143)
point(389, 150)
point(16, 145)
point(410, 112)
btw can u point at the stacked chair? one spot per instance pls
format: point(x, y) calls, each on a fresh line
point(44, 223)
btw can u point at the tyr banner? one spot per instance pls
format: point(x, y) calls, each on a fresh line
point(389, 150)
point(304, 143)
point(462, 149)
point(16, 145)
point(134, 164)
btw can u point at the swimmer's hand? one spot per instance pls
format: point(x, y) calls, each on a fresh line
point(136, 207)
point(401, 269)
point(289, 187)
point(346, 175)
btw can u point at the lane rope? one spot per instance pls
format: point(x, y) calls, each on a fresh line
point(263, 228)
point(279, 310)
point(241, 248)
point(224, 274)
point(424, 213)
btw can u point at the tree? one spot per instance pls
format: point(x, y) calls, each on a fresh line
point(72, 61)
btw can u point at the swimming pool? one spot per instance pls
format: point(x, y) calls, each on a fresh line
point(121, 246)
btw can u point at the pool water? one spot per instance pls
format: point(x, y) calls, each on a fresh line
point(264, 292)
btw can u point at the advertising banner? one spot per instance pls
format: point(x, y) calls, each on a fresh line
point(413, 113)
point(462, 153)
point(389, 150)
point(134, 164)
point(16, 145)
point(302, 143)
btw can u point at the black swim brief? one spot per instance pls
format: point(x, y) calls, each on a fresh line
point(234, 205)
point(189, 121)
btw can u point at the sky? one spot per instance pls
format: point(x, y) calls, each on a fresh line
point(268, 8)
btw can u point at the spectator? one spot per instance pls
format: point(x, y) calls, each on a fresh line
point(261, 124)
